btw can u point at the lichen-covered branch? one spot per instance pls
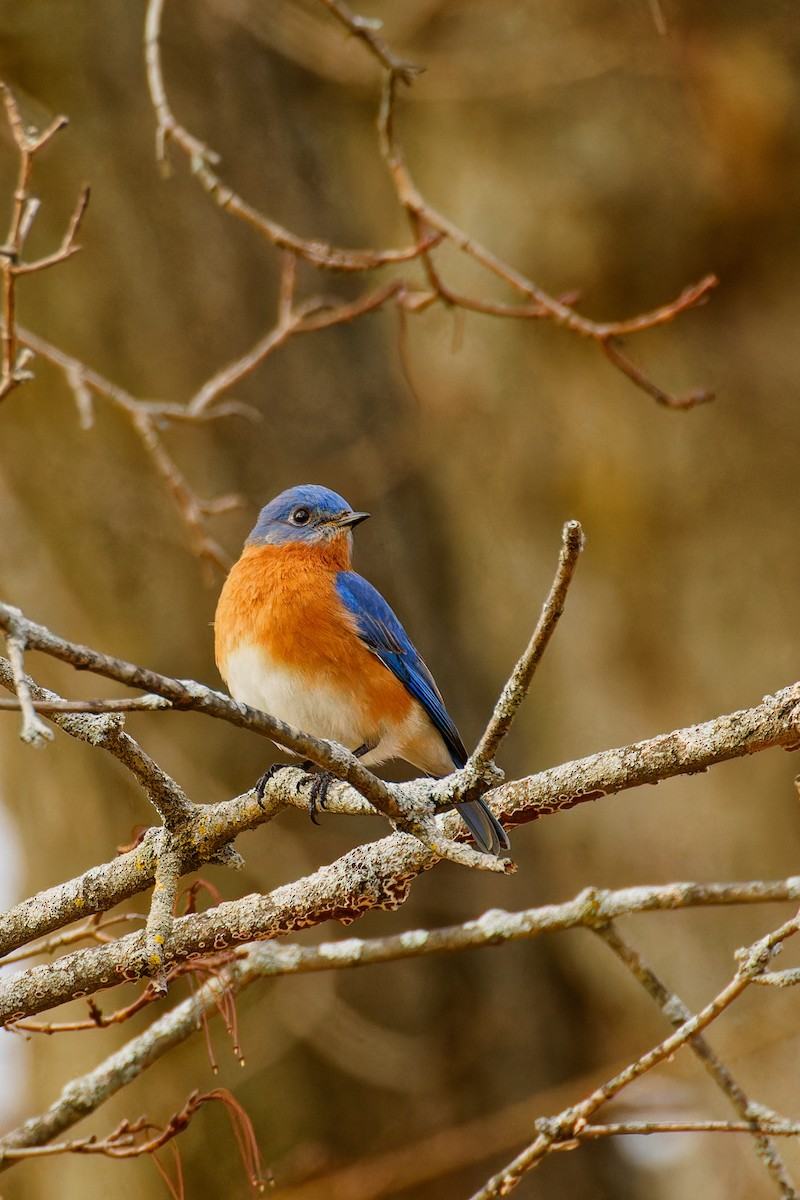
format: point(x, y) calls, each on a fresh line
point(773, 722)
point(266, 959)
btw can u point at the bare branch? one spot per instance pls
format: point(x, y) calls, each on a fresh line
point(378, 876)
point(106, 731)
point(614, 1129)
point(68, 246)
point(558, 1132)
point(365, 29)
point(613, 353)
point(319, 254)
point(84, 1095)
point(158, 931)
point(780, 979)
point(34, 729)
point(13, 365)
point(774, 722)
point(310, 317)
point(134, 704)
point(422, 215)
point(677, 1013)
point(189, 695)
point(93, 929)
point(145, 417)
point(515, 691)
point(131, 1139)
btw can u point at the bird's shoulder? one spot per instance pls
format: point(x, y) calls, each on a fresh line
point(378, 625)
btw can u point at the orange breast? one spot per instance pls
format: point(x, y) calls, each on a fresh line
point(283, 600)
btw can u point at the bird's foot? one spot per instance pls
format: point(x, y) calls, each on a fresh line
point(270, 773)
point(320, 782)
point(318, 793)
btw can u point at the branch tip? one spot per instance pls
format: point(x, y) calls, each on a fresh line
point(516, 689)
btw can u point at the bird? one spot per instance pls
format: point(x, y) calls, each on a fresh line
point(299, 635)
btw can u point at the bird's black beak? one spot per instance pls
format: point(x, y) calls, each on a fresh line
point(348, 520)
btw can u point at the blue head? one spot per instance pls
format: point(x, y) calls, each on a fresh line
point(308, 513)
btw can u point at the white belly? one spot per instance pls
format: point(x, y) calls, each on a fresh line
point(285, 693)
point(312, 706)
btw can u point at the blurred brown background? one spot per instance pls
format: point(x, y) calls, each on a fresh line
point(623, 150)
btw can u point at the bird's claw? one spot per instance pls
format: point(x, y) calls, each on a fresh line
point(318, 792)
point(261, 783)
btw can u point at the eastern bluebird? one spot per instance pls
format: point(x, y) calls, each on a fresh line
point(302, 637)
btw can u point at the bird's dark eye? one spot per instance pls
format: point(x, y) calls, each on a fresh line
point(300, 516)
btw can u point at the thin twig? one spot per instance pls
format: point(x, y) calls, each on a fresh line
point(34, 730)
point(203, 967)
point(201, 158)
point(561, 1130)
point(366, 30)
point(780, 979)
point(517, 687)
point(14, 368)
point(168, 799)
point(146, 418)
point(92, 929)
point(616, 1128)
point(676, 1012)
point(131, 1139)
point(688, 400)
point(312, 316)
point(68, 245)
point(134, 704)
point(423, 215)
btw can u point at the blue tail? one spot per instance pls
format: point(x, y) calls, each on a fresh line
point(486, 830)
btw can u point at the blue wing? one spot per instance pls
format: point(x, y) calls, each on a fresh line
point(381, 631)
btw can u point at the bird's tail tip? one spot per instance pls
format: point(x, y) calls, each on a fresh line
point(486, 830)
